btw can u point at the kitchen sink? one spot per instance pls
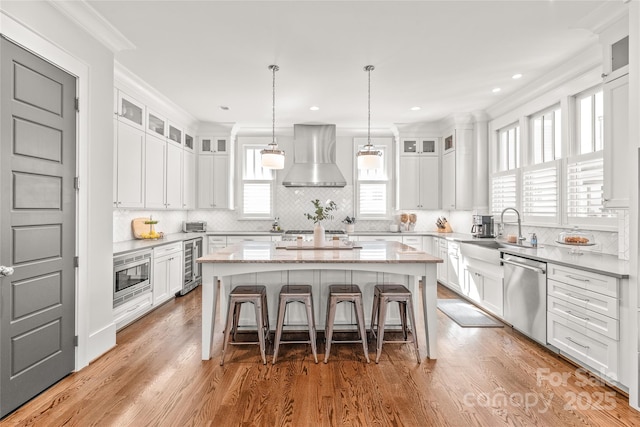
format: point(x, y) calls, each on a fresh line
point(487, 250)
point(494, 244)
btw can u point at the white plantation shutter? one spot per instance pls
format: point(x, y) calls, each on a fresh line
point(257, 184)
point(256, 199)
point(585, 177)
point(372, 199)
point(540, 192)
point(504, 191)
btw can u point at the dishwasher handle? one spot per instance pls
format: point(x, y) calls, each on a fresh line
point(525, 266)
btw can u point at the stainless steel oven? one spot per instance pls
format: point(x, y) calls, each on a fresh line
point(131, 276)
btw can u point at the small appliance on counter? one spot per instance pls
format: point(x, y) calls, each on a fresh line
point(483, 226)
point(194, 226)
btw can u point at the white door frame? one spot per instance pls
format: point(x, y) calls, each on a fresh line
point(38, 45)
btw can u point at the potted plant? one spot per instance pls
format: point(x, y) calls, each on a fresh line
point(319, 214)
point(350, 222)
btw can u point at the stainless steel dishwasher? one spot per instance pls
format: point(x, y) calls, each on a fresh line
point(525, 296)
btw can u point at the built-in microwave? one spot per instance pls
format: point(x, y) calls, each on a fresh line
point(131, 276)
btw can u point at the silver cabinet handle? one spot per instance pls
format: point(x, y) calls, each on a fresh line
point(5, 271)
point(586, 319)
point(575, 297)
point(575, 342)
point(577, 278)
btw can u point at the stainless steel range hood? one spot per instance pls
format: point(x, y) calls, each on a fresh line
point(314, 155)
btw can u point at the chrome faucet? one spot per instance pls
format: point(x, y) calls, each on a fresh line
point(520, 238)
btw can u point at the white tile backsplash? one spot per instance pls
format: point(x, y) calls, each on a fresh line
point(168, 222)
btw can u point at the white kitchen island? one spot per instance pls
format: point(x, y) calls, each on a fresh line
point(265, 264)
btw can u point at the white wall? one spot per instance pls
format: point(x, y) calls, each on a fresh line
point(63, 37)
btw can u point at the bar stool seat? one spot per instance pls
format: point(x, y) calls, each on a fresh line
point(384, 294)
point(301, 294)
point(345, 293)
point(257, 295)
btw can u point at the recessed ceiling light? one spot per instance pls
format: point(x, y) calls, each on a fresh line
point(415, 108)
point(224, 107)
point(496, 90)
point(516, 76)
point(314, 108)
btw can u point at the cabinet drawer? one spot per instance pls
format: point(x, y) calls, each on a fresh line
point(584, 298)
point(588, 319)
point(131, 310)
point(163, 250)
point(594, 350)
point(595, 282)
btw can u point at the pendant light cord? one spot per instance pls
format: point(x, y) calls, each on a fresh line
point(273, 68)
point(368, 69)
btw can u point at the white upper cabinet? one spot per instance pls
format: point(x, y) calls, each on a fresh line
point(156, 124)
point(214, 145)
point(188, 180)
point(413, 146)
point(130, 111)
point(175, 134)
point(615, 96)
point(457, 170)
point(213, 182)
point(189, 140)
point(163, 174)
point(615, 45)
point(419, 185)
point(129, 152)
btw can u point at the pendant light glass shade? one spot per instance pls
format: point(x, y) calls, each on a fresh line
point(368, 157)
point(272, 157)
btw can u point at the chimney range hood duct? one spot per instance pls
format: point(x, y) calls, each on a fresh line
point(314, 156)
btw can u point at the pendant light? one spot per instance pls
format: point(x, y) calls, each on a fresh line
point(273, 157)
point(368, 157)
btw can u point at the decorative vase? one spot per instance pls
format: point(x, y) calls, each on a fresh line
point(351, 228)
point(318, 235)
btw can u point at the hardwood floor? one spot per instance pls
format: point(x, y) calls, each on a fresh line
point(483, 377)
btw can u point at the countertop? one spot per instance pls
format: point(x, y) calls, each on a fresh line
point(120, 248)
point(371, 252)
point(589, 261)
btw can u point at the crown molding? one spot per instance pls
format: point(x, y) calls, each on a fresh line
point(604, 16)
point(87, 18)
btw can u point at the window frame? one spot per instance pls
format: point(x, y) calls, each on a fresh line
point(503, 153)
point(576, 120)
point(555, 111)
point(244, 147)
point(385, 144)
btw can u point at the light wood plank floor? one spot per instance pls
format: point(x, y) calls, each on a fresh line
point(483, 377)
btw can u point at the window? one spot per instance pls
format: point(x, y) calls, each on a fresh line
point(585, 177)
point(257, 184)
point(373, 186)
point(509, 148)
point(540, 193)
point(546, 136)
point(590, 115)
point(504, 191)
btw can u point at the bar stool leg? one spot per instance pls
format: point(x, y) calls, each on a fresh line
point(374, 313)
point(402, 306)
point(331, 315)
point(312, 328)
point(260, 321)
point(265, 315)
point(276, 345)
point(382, 317)
point(231, 315)
point(236, 319)
point(413, 325)
point(361, 327)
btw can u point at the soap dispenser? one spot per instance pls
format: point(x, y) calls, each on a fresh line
point(534, 240)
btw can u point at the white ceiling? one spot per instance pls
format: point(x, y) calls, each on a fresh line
point(444, 56)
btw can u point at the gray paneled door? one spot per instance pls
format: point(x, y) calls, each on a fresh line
point(37, 224)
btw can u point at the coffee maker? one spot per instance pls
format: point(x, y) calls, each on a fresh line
point(483, 226)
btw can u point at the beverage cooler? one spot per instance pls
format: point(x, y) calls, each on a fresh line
point(192, 270)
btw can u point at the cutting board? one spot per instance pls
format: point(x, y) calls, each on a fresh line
point(138, 227)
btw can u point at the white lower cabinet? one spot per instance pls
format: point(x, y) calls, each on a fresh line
point(167, 272)
point(132, 309)
point(454, 272)
point(413, 241)
point(585, 313)
point(442, 268)
point(485, 289)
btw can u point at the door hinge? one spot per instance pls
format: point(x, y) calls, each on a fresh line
point(75, 341)
point(76, 261)
point(77, 104)
point(76, 183)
